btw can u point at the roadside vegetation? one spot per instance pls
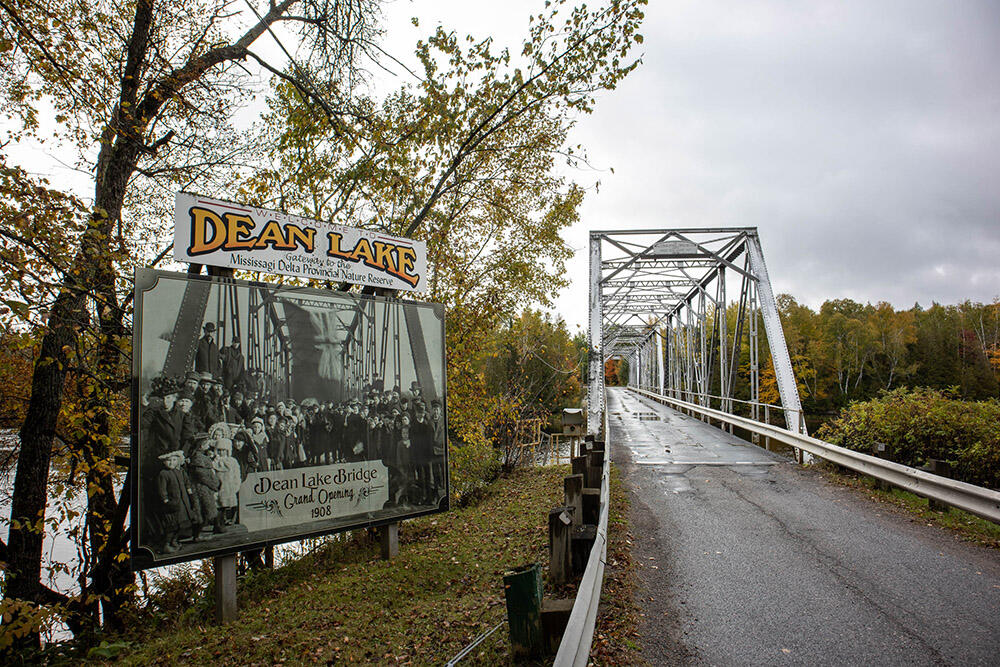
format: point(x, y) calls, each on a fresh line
point(616, 637)
point(917, 425)
point(342, 604)
point(466, 153)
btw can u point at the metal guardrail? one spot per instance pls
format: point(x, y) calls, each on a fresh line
point(574, 649)
point(974, 499)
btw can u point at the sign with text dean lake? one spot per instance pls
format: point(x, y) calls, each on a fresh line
point(238, 236)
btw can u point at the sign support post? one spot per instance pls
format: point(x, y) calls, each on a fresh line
point(388, 537)
point(226, 609)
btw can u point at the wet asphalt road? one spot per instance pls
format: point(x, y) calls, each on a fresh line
point(747, 559)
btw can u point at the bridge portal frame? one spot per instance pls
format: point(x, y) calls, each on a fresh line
point(655, 299)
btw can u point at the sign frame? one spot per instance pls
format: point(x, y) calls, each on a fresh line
point(141, 557)
point(230, 235)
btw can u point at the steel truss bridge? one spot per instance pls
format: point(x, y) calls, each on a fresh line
point(682, 307)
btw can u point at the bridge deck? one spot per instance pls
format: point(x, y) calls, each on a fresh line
point(746, 558)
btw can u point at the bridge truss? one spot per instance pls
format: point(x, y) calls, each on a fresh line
point(682, 307)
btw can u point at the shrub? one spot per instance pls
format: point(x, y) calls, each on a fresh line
point(922, 424)
point(474, 465)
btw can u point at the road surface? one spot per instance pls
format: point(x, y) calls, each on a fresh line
point(748, 559)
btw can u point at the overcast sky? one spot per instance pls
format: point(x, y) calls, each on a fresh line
point(862, 138)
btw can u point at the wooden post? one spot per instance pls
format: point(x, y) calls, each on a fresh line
point(573, 496)
point(388, 537)
point(582, 543)
point(523, 594)
point(881, 452)
point(560, 556)
point(555, 616)
point(595, 469)
point(225, 588)
point(943, 468)
point(579, 464)
point(591, 506)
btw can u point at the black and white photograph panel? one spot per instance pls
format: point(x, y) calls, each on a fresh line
point(266, 413)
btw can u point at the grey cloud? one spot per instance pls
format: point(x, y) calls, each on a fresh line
point(863, 139)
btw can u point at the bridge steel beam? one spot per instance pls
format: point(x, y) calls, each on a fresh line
point(659, 299)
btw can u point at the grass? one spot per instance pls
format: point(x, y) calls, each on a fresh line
point(342, 604)
point(616, 637)
point(967, 526)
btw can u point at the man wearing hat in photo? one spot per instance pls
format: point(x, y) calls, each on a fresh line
point(440, 442)
point(186, 421)
point(207, 357)
point(232, 365)
point(422, 438)
point(192, 380)
point(356, 431)
point(207, 402)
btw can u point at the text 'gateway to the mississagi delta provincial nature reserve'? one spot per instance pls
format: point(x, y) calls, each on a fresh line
point(209, 231)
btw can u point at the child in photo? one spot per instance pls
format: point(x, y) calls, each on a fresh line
point(205, 483)
point(227, 469)
point(172, 487)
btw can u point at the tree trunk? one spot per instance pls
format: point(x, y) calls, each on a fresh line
point(92, 271)
point(29, 498)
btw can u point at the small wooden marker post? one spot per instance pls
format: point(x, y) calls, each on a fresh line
point(225, 588)
point(523, 593)
point(560, 555)
point(388, 537)
point(573, 496)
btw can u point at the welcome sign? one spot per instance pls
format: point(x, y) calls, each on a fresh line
point(305, 443)
point(235, 236)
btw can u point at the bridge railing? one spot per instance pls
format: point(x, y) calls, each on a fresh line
point(578, 638)
point(969, 497)
point(758, 410)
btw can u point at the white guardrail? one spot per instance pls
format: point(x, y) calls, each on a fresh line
point(977, 500)
point(574, 649)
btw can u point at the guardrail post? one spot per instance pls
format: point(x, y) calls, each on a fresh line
point(523, 594)
point(582, 542)
point(881, 451)
point(767, 420)
point(591, 506)
point(942, 468)
point(595, 467)
point(573, 496)
point(560, 555)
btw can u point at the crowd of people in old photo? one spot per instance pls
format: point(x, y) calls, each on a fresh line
point(202, 434)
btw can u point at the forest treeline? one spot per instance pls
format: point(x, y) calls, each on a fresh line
point(847, 351)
